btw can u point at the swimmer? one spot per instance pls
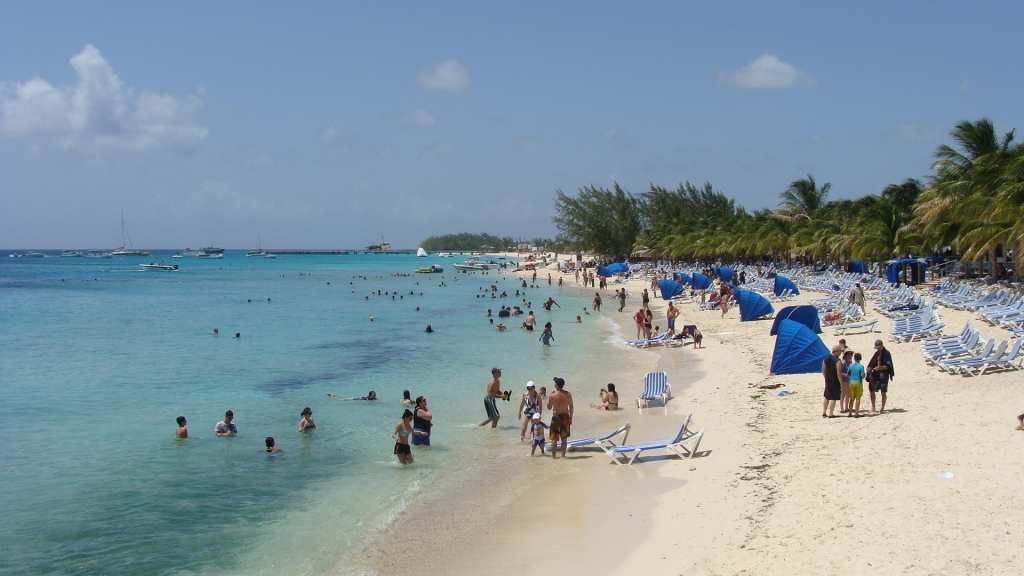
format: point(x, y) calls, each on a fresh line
point(371, 317)
point(501, 327)
point(429, 330)
point(181, 432)
point(401, 435)
point(226, 427)
point(579, 320)
point(216, 332)
point(270, 449)
point(406, 398)
point(238, 334)
point(371, 396)
point(585, 313)
point(307, 420)
point(609, 399)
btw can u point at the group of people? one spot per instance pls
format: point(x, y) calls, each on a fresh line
point(845, 376)
point(559, 403)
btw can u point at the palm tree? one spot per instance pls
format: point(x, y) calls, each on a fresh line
point(803, 199)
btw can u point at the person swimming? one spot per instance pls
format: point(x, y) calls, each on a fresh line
point(307, 420)
point(270, 449)
point(181, 431)
point(370, 397)
point(406, 398)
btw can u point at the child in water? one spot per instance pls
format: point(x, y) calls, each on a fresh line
point(537, 432)
point(401, 435)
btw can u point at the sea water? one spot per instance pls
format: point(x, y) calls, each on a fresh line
point(98, 357)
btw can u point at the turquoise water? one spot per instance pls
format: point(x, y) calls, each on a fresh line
point(97, 358)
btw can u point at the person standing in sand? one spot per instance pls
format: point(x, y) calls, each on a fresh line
point(492, 394)
point(832, 370)
point(639, 318)
point(621, 295)
point(672, 313)
point(880, 370)
point(645, 299)
point(560, 404)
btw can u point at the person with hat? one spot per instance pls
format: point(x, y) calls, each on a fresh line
point(494, 392)
point(560, 404)
point(528, 406)
point(880, 371)
point(537, 432)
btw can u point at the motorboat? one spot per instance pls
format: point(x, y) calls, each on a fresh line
point(474, 264)
point(27, 255)
point(177, 256)
point(421, 253)
point(211, 250)
point(269, 255)
point(204, 255)
point(98, 254)
point(445, 255)
point(258, 251)
point(382, 247)
point(433, 269)
point(70, 254)
point(160, 267)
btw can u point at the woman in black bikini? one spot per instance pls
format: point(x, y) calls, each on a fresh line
point(610, 399)
point(401, 435)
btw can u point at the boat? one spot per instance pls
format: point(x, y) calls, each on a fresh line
point(98, 254)
point(445, 255)
point(209, 256)
point(433, 269)
point(177, 256)
point(269, 255)
point(382, 247)
point(211, 250)
point(70, 254)
point(27, 255)
point(122, 251)
point(421, 253)
point(474, 264)
point(161, 267)
point(258, 251)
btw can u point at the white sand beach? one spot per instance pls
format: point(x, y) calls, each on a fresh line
point(774, 488)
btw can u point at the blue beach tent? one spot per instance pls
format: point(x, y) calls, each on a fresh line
point(669, 289)
point(914, 269)
point(806, 315)
point(783, 283)
point(797, 350)
point(753, 305)
point(725, 273)
point(683, 278)
point(855, 267)
point(617, 268)
point(602, 271)
point(700, 281)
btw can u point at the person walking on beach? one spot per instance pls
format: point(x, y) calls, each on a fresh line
point(181, 431)
point(528, 406)
point(857, 297)
point(672, 313)
point(560, 404)
point(401, 435)
point(547, 335)
point(831, 369)
point(621, 295)
point(645, 299)
point(537, 434)
point(844, 400)
point(597, 301)
point(493, 392)
point(422, 421)
point(225, 427)
point(856, 372)
point(577, 276)
point(880, 371)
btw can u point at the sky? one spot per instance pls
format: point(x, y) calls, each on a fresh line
point(330, 125)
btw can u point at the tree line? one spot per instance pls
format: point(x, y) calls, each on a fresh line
point(469, 242)
point(969, 206)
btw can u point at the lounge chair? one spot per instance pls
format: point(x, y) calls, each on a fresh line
point(676, 445)
point(643, 343)
point(998, 361)
point(598, 441)
point(868, 326)
point(655, 386)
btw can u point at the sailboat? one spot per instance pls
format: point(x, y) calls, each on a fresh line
point(258, 251)
point(122, 251)
point(421, 253)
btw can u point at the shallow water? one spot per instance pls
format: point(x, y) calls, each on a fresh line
point(97, 358)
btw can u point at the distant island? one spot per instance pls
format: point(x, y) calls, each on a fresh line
point(467, 242)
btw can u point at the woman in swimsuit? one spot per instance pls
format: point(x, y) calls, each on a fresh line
point(547, 335)
point(307, 420)
point(401, 435)
point(528, 406)
point(406, 398)
point(648, 320)
point(422, 421)
point(610, 399)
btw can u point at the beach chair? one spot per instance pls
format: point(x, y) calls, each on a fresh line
point(998, 361)
point(600, 441)
point(867, 326)
point(655, 386)
point(676, 444)
point(645, 343)
point(952, 366)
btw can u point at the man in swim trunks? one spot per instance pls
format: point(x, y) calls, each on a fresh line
point(493, 393)
point(560, 404)
point(672, 313)
point(531, 321)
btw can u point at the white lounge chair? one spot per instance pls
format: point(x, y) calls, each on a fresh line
point(868, 326)
point(599, 441)
point(655, 386)
point(676, 444)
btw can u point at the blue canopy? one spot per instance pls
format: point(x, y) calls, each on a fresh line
point(806, 315)
point(855, 267)
point(915, 270)
point(700, 281)
point(725, 273)
point(618, 267)
point(752, 305)
point(602, 271)
point(680, 277)
point(669, 288)
point(797, 350)
point(783, 283)
point(735, 289)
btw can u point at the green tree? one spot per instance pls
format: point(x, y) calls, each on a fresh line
point(605, 221)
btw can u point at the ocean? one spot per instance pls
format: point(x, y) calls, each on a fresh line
point(98, 357)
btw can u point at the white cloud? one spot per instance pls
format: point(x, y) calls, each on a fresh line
point(99, 113)
point(448, 75)
point(767, 71)
point(438, 149)
point(419, 118)
point(912, 133)
point(219, 198)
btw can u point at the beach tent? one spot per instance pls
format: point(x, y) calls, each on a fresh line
point(798, 350)
point(683, 279)
point(783, 283)
point(806, 315)
point(752, 305)
point(602, 271)
point(617, 267)
point(725, 273)
point(669, 288)
point(700, 281)
point(910, 269)
point(856, 267)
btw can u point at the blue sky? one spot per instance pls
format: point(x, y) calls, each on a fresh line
point(328, 124)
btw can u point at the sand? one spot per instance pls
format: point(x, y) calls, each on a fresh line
point(774, 488)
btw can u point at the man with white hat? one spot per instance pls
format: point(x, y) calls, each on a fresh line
point(528, 406)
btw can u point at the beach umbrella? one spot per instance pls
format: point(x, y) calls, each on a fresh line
point(753, 305)
point(669, 288)
point(806, 315)
point(700, 281)
point(798, 350)
point(783, 283)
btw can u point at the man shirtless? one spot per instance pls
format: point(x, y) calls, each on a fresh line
point(494, 393)
point(560, 404)
point(672, 314)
